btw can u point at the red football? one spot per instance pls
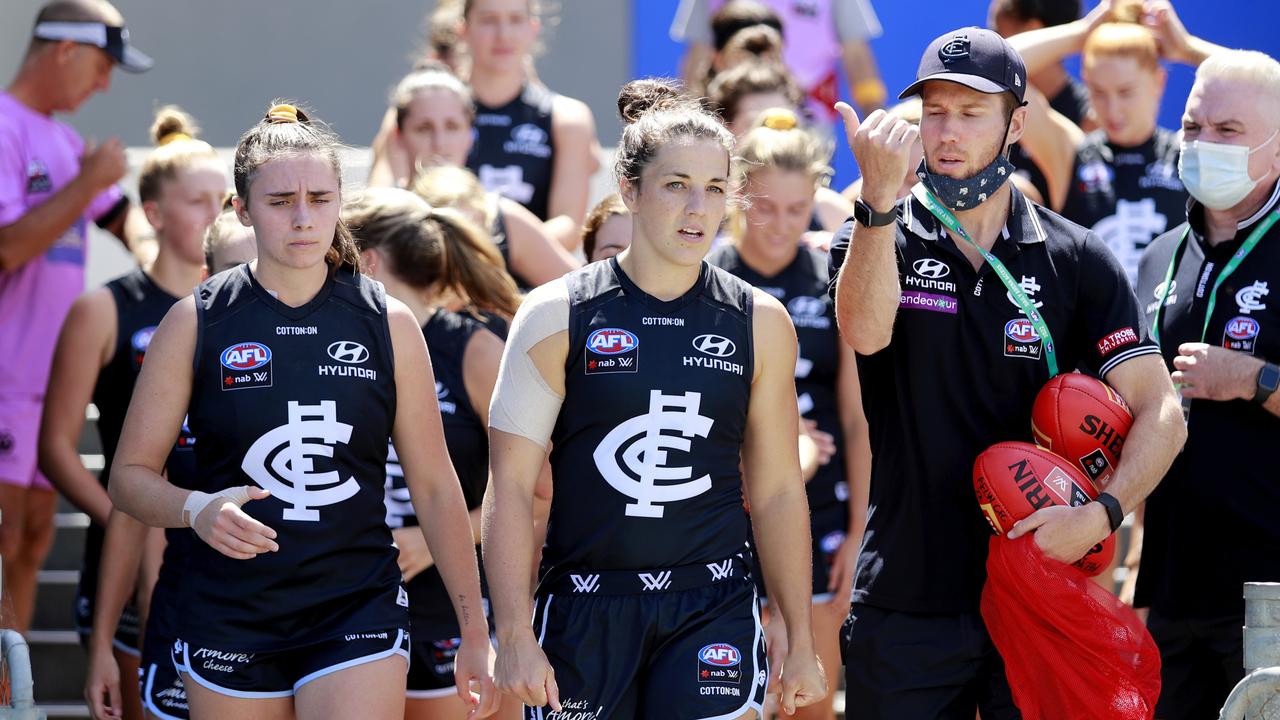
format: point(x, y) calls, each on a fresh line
point(1014, 479)
point(1083, 420)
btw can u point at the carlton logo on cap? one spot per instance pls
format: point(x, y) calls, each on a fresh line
point(955, 49)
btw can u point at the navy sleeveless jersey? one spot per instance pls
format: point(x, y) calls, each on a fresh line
point(802, 288)
point(514, 149)
point(140, 306)
point(447, 334)
point(645, 449)
point(1127, 196)
point(299, 401)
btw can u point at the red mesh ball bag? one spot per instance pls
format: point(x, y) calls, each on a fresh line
point(1071, 649)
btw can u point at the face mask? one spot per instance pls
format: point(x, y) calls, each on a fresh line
point(969, 193)
point(1217, 174)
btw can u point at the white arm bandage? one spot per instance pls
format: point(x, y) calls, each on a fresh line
point(523, 403)
point(197, 501)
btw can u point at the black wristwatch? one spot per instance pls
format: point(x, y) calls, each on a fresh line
point(1115, 515)
point(867, 217)
point(1268, 381)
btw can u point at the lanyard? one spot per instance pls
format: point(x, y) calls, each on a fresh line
point(1019, 295)
point(1245, 248)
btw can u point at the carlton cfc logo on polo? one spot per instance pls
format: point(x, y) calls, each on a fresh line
point(1249, 297)
point(283, 460)
point(642, 444)
point(930, 268)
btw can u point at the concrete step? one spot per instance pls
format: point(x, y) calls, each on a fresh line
point(58, 664)
point(59, 711)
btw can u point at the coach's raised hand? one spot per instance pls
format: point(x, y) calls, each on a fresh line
point(882, 148)
point(219, 521)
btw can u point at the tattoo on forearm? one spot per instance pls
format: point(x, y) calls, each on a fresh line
point(466, 609)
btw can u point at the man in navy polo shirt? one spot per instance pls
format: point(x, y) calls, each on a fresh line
point(962, 300)
point(1207, 287)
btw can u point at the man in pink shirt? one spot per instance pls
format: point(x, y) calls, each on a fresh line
point(51, 187)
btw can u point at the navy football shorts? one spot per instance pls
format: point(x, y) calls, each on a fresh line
point(673, 644)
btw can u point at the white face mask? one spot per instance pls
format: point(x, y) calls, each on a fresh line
point(1217, 174)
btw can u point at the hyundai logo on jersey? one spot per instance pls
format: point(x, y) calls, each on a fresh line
point(348, 351)
point(612, 350)
point(246, 365)
point(714, 345)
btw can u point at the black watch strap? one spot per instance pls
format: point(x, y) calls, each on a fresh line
point(1115, 515)
point(867, 216)
point(1268, 381)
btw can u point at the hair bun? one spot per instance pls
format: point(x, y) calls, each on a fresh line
point(639, 97)
point(171, 125)
point(779, 119)
point(283, 113)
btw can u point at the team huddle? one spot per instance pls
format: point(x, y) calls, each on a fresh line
point(398, 452)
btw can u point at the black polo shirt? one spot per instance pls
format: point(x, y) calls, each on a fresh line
point(960, 374)
point(1214, 521)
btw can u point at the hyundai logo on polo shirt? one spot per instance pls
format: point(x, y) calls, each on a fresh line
point(930, 268)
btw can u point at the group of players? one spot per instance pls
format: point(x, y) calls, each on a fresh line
point(637, 509)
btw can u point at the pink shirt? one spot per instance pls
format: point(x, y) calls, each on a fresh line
point(38, 157)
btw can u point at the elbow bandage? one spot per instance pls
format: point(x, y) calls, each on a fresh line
point(523, 403)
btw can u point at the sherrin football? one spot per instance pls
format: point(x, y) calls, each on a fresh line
point(1083, 420)
point(1014, 479)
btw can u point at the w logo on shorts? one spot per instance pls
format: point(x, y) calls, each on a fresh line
point(656, 581)
point(585, 583)
point(721, 570)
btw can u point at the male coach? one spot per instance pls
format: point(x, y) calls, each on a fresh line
point(961, 301)
point(1211, 526)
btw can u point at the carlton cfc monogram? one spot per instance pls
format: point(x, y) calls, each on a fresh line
point(282, 460)
point(646, 457)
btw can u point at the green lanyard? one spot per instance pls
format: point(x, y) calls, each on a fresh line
point(1245, 248)
point(1019, 295)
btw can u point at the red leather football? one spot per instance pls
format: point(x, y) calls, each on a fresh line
point(1014, 479)
point(1083, 420)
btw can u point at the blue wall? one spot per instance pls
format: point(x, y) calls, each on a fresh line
point(910, 24)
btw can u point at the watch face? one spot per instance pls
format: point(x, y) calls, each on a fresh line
point(1269, 378)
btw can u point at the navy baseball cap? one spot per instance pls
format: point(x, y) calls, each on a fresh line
point(113, 39)
point(976, 58)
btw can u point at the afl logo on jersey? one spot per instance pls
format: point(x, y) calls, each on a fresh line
point(612, 350)
point(720, 654)
point(139, 342)
point(246, 365)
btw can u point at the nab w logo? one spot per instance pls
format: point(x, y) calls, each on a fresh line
point(721, 570)
point(655, 581)
point(585, 583)
point(282, 460)
point(642, 446)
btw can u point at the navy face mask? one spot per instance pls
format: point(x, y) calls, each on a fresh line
point(968, 193)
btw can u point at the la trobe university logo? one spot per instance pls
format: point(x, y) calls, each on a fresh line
point(642, 446)
point(283, 460)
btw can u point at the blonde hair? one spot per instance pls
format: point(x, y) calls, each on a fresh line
point(1256, 68)
point(430, 76)
point(219, 235)
point(432, 248)
point(778, 142)
point(174, 134)
point(453, 187)
point(1121, 40)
